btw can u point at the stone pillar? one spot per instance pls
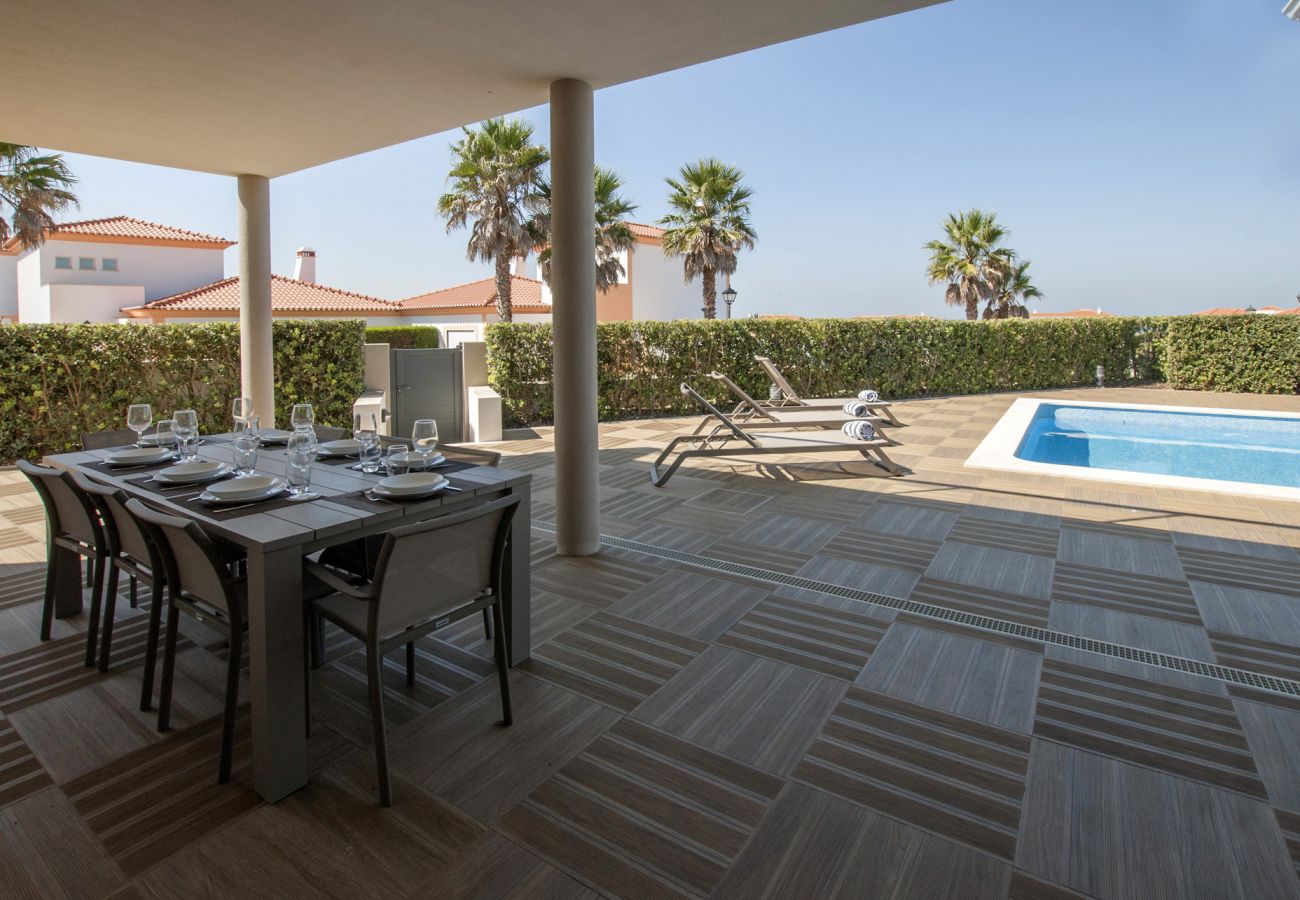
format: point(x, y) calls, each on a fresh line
point(573, 287)
point(256, 362)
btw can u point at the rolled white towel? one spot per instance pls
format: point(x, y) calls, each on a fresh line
point(856, 408)
point(869, 396)
point(860, 429)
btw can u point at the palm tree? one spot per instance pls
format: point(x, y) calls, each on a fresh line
point(1014, 287)
point(971, 262)
point(32, 188)
point(496, 176)
point(612, 232)
point(709, 223)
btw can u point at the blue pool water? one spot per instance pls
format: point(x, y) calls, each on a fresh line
point(1252, 449)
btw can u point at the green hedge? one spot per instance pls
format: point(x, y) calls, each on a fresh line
point(403, 337)
point(57, 381)
point(642, 363)
point(1257, 354)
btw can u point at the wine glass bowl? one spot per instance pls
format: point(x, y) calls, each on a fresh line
point(241, 408)
point(424, 439)
point(139, 416)
point(303, 418)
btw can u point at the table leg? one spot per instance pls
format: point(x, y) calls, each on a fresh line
point(517, 600)
point(276, 672)
point(67, 582)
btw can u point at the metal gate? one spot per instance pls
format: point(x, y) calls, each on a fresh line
point(427, 385)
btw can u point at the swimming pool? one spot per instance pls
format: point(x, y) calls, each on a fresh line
point(1201, 449)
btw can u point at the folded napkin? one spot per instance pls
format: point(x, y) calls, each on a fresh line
point(856, 408)
point(869, 396)
point(860, 429)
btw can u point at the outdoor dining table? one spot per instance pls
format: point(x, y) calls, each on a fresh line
point(276, 536)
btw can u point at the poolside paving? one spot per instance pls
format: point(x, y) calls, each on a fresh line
point(689, 728)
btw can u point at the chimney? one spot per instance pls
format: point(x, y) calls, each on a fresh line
point(520, 267)
point(304, 267)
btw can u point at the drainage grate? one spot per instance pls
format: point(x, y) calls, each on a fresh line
point(1226, 674)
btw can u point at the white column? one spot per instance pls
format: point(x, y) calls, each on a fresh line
point(573, 288)
point(256, 362)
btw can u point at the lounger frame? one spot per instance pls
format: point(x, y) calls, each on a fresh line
point(790, 397)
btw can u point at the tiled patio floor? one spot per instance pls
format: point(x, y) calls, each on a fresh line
point(684, 730)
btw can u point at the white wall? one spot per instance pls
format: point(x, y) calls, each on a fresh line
point(163, 271)
point(91, 302)
point(658, 292)
point(33, 296)
point(8, 287)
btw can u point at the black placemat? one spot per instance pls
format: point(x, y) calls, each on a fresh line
point(359, 500)
point(124, 470)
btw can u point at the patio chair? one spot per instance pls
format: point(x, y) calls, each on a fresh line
point(72, 524)
point(200, 584)
point(104, 440)
point(730, 439)
point(752, 414)
point(429, 575)
point(791, 398)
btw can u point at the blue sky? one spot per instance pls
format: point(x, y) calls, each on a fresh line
point(1143, 154)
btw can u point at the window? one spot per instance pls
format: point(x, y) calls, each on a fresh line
point(63, 262)
point(108, 264)
point(86, 263)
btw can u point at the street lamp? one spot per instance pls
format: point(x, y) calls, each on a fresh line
point(729, 296)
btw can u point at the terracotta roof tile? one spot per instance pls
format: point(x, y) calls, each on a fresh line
point(525, 296)
point(126, 226)
point(646, 231)
point(287, 295)
point(1072, 314)
point(1237, 311)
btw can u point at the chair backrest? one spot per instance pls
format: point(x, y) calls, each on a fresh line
point(777, 378)
point(329, 433)
point(429, 569)
point(192, 564)
point(124, 534)
point(70, 510)
point(476, 455)
point(724, 419)
point(103, 440)
point(747, 403)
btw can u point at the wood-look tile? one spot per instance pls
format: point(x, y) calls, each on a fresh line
point(642, 813)
point(598, 580)
point(1004, 535)
point(637, 506)
point(1252, 572)
point(1184, 732)
point(815, 845)
point(774, 559)
point(755, 710)
point(690, 603)
point(1026, 887)
point(958, 777)
point(1022, 574)
point(550, 615)
point(1159, 635)
point(1265, 657)
point(931, 522)
point(46, 851)
point(20, 584)
point(882, 548)
point(830, 641)
point(461, 752)
point(831, 504)
point(741, 502)
point(497, 867)
point(1274, 737)
point(1127, 553)
point(21, 773)
point(1232, 536)
point(1111, 829)
point(672, 537)
point(613, 660)
point(975, 679)
point(862, 576)
point(802, 534)
point(1249, 612)
point(1289, 823)
point(1143, 595)
point(982, 601)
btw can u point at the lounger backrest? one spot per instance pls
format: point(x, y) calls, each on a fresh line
point(777, 378)
point(743, 396)
point(722, 417)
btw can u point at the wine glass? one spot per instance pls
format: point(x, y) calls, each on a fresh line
point(186, 426)
point(424, 438)
point(398, 460)
point(297, 467)
point(365, 429)
point(139, 416)
point(302, 418)
point(165, 435)
point(244, 446)
point(241, 408)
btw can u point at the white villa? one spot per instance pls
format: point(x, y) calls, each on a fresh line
point(122, 269)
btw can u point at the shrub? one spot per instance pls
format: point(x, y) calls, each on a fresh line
point(641, 364)
point(403, 337)
point(57, 381)
point(1257, 354)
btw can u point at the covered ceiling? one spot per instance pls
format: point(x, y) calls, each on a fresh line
point(272, 86)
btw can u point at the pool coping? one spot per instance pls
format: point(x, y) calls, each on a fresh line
point(998, 451)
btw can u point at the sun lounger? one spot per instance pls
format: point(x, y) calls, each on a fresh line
point(790, 398)
point(730, 439)
point(753, 415)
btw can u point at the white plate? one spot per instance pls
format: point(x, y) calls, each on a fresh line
point(138, 456)
point(345, 447)
point(274, 435)
point(193, 472)
point(416, 461)
point(247, 487)
point(414, 484)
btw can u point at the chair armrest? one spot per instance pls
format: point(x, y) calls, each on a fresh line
point(330, 579)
